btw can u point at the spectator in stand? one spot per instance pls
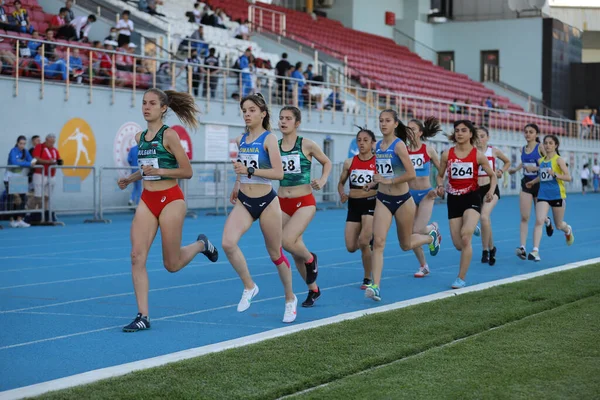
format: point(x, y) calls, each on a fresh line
point(20, 157)
point(4, 23)
point(70, 15)
point(21, 17)
point(78, 29)
point(52, 69)
point(113, 34)
point(488, 103)
point(76, 65)
point(244, 62)
point(152, 4)
point(45, 154)
point(334, 98)
point(196, 63)
point(219, 20)
point(32, 45)
point(281, 69)
point(136, 193)
point(50, 48)
point(596, 175)
point(211, 63)
point(197, 13)
point(584, 174)
point(208, 16)
point(199, 43)
point(243, 30)
point(309, 72)
point(298, 83)
point(125, 28)
point(59, 20)
point(35, 140)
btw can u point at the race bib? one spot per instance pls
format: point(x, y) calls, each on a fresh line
point(153, 162)
point(531, 165)
point(418, 161)
point(482, 171)
point(23, 23)
point(545, 174)
point(384, 168)
point(291, 164)
point(248, 159)
point(461, 170)
point(361, 177)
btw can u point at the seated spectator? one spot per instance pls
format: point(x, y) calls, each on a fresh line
point(78, 29)
point(196, 63)
point(334, 98)
point(298, 83)
point(4, 22)
point(35, 140)
point(76, 66)
point(208, 18)
point(197, 13)
point(54, 69)
point(199, 43)
point(309, 72)
point(59, 20)
point(243, 30)
point(219, 19)
point(152, 4)
point(125, 60)
point(125, 28)
point(50, 48)
point(113, 35)
point(21, 18)
point(45, 154)
point(32, 45)
point(211, 64)
point(20, 157)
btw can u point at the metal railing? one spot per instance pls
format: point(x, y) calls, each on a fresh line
point(18, 187)
point(117, 199)
point(256, 16)
point(210, 187)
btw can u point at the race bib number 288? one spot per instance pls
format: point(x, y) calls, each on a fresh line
point(461, 170)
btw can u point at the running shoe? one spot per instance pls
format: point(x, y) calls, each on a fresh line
point(434, 246)
point(437, 229)
point(485, 256)
point(549, 227)
point(534, 256)
point(492, 260)
point(138, 324)
point(366, 282)
point(570, 237)
point(312, 270)
point(477, 231)
point(521, 253)
point(422, 272)
point(290, 311)
point(372, 292)
point(459, 284)
point(210, 251)
point(247, 297)
point(311, 298)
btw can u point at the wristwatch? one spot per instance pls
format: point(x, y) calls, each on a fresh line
point(250, 172)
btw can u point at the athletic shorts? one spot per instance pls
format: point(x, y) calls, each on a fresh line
point(486, 188)
point(46, 188)
point(553, 203)
point(256, 205)
point(359, 207)
point(419, 195)
point(584, 182)
point(458, 204)
point(290, 205)
point(393, 203)
point(158, 200)
point(534, 189)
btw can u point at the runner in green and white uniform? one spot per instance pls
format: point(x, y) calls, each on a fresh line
point(295, 195)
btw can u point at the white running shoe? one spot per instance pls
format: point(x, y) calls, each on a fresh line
point(290, 311)
point(422, 272)
point(14, 224)
point(247, 297)
point(22, 224)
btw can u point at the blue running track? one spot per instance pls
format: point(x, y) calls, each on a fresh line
point(65, 292)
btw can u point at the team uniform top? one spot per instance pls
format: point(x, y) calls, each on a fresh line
point(420, 160)
point(462, 173)
point(296, 167)
point(254, 155)
point(361, 172)
point(530, 160)
point(489, 154)
point(154, 154)
point(388, 163)
point(550, 187)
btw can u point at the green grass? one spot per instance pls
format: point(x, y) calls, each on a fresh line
point(550, 355)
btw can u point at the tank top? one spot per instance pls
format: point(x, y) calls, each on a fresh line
point(489, 154)
point(155, 154)
point(388, 163)
point(550, 187)
point(361, 172)
point(254, 155)
point(462, 173)
point(530, 160)
point(420, 160)
point(296, 167)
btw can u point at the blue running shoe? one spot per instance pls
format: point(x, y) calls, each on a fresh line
point(459, 284)
point(138, 324)
point(372, 292)
point(477, 231)
point(434, 246)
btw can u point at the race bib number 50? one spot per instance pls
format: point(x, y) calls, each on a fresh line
point(418, 161)
point(461, 170)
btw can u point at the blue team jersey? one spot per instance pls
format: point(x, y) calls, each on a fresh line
point(388, 163)
point(530, 160)
point(254, 155)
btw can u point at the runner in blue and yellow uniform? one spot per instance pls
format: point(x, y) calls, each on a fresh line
point(162, 160)
point(552, 174)
point(295, 195)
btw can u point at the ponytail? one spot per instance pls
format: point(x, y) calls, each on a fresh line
point(429, 128)
point(182, 104)
point(402, 131)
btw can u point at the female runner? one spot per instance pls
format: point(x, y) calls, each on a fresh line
point(530, 155)
point(162, 161)
point(394, 171)
point(361, 205)
point(258, 163)
point(553, 172)
point(491, 153)
point(422, 156)
point(461, 163)
point(295, 195)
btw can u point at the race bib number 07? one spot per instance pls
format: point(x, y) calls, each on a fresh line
point(461, 170)
point(546, 175)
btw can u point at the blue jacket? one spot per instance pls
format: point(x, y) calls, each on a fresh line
point(15, 157)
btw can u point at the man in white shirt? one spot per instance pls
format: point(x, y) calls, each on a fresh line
point(82, 26)
point(125, 27)
point(596, 177)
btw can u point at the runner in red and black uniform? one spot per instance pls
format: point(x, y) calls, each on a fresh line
point(461, 163)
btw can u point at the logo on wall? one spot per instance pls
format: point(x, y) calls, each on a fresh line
point(124, 141)
point(77, 147)
point(353, 148)
point(186, 140)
